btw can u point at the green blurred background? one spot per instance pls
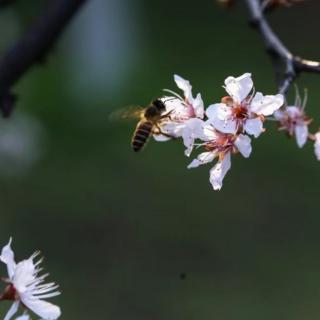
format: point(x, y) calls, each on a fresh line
point(138, 236)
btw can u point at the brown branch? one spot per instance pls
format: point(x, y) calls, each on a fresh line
point(278, 52)
point(33, 47)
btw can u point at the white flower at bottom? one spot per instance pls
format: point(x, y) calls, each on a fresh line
point(317, 145)
point(25, 286)
point(218, 172)
point(220, 145)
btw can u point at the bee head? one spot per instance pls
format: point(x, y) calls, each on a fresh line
point(159, 104)
point(151, 112)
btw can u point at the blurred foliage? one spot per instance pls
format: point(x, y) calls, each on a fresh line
point(119, 229)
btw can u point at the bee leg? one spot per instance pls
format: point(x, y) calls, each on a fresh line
point(167, 115)
point(159, 131)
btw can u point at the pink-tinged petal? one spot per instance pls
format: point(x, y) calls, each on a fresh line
point(198, 106)
point(43, 309)
point(161, 137)
point(317, 145)
point(301, 133)
point(7, 257)
point(12, 311)
point(218, 172)
point(266, 105)
point(254, 127)
point(184, 85)
point(202, 158)
point(243, 144)
point(239, 88)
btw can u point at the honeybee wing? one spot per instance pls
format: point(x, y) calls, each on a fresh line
point(127, 113)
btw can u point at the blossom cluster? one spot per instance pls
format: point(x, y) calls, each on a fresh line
point(226, 128)
point(25, 287)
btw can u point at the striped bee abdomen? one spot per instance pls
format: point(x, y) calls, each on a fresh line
point(141, 135)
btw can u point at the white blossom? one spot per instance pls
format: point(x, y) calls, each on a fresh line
point(220, 145)
point(294, 120)
point(242, 110)
point(185, 115)
point(26, 286)
point(317, 145)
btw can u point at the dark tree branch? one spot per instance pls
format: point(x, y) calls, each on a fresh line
point(279, 53)
point(33, 47)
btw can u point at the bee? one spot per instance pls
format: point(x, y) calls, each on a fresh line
point(150, 118)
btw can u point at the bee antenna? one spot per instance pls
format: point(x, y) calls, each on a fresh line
point(170, 99)
point(174, 93)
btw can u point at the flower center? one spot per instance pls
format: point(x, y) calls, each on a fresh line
point(10, 293)
point(222, 144)
point(240, 112)
point(289, 122)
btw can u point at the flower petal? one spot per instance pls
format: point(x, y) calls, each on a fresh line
point(239, 88)
point(279, 115)
point(301, 133)
point(294, 111)
point(220, 111)
point(24, 275)
point(198, 106)
point(172, 103)
point(266, 105)
point(161, 137)
point(220, 116)
point(317, 145)
point(192, 130)
point(43, 309)
point(208, 133)
point(218, 172)
point(13, 310)
point(202, 158)
point(23, 317)
point(227, 126)
point(173, 129)
point(254, 127)
point(7, 257)
point(184, 85)
point(243, 144)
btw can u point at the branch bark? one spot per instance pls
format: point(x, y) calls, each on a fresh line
point(33, 47)
point(279, 53)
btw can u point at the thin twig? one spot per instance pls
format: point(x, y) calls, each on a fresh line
point(278, 52)
point(33, 47)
